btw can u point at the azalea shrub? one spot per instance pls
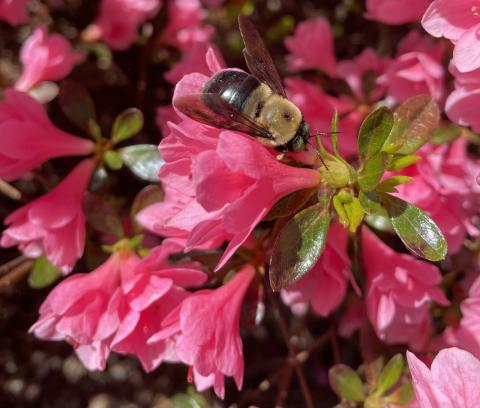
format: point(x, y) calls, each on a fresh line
point(218, 270)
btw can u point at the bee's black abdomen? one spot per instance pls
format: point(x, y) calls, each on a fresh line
point(233, 86)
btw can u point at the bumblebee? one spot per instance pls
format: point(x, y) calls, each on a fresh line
point(253, 103)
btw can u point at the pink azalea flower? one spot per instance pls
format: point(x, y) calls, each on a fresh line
point(417, 70)
point(315, 33)
point(467, 334)
point(45, 58)
point(457, 21)
point(325, 285)
point(84, 310)
point(193, 60)
point(53, 224)
point(444, 185)
point(177, 216)
point(354, 73)
point(118, 21)
point(416, 41)
point(118, 306)
point(399, 290)
point(460, 104)
point(243, 181)
point(14, 12)
point(451, 381)
point(206, 331)
point(414, 74)
point(226, 181)
point(28, 138)
point(151, 291)
point(396, 12)
point(185, 25)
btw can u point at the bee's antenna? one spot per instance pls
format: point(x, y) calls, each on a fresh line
point(327, 133)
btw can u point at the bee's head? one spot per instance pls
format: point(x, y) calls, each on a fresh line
point(301, 138)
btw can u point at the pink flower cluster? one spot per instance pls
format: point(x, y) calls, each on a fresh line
point(59, 234)
point(119, 20)
point(450, 382)
point(141, 307)
point(399, 290)
point(416, 70)
point(466, 333)
point(458, 22)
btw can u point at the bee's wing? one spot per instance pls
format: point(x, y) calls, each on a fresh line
point(211, 109)
point(258, 58)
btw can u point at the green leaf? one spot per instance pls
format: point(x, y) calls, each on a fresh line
point(127, 124)
point(403, 395)
point(43, 273)
point(380, 222)
point(399, 163)
point(298, 246)
point(415, 122)
point(416, 229)
point(390, 374)
point(289, 204)
point(76, 104)
point(190, 399)
point(103, 53)
point(388, 185)
point(185, 401)
point(338, 203)
point(45, 92)
point(346, 383)
point(135, 241)
point(113, 160)
point(143, 160)
point(372, 371)
point(446, 134)
point(98, 180)
point(372, 171)
point(94, 129)
point(374, 132)
point(355, 214)
point(370, 202)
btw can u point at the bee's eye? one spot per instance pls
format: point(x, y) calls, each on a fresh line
point(298, 144)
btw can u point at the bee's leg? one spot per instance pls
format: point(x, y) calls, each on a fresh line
point(283, 154)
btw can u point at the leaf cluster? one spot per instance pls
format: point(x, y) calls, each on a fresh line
point(373, 385)
point(387, 142)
